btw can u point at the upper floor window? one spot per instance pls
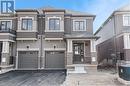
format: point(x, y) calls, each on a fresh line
point(5, 25)
point(126, 20)
point(79, 26)
point(54, 24)
point(27, 24)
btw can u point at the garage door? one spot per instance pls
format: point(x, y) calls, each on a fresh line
point(55, 60)
point(28, 60)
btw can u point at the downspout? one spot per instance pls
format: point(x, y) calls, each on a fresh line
point(41, 38)
point(41, 53)
point(115, 47)
point(16, 52)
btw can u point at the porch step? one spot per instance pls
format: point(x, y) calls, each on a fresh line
point(4, 69)
point(81, 68)
point(77, 69)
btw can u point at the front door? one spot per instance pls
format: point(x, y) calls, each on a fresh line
point(78, 55)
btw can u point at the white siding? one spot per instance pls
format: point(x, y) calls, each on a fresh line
point(106, 32)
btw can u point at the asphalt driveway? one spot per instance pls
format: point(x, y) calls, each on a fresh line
point(32, 78)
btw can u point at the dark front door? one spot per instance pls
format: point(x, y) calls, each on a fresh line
point(78, 55)
point(0, 51)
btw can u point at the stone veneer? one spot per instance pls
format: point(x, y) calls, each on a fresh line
point(69, 58)
point(5, 56)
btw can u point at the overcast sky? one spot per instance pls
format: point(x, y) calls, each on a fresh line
point(101, 8)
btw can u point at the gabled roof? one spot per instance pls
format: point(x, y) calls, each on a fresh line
point(50, 8)
point(125, 8)
point(53, 9)
point(72, 12)
point(78, 13)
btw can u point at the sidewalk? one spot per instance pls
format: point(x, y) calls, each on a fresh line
point(101, 78)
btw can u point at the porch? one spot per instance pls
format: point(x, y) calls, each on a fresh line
point(81, 55)
point(6, 56)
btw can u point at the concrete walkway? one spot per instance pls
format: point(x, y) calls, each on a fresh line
point(92, 79)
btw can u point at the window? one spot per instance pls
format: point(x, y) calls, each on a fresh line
point(26, 24)
point(79, 26)
point(126, 20)
point(54, 24)
point(5, 25)
point(77, 50)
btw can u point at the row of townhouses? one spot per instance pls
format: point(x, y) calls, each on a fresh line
point(114, 41)
point(47, 38)
point(51, 38)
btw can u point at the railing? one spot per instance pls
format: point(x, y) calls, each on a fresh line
point(8, 31)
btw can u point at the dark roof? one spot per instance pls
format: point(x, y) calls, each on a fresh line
point(52, 9)
point(81, 35)
point(79, 13)
point(26, 10)
point(67, 12)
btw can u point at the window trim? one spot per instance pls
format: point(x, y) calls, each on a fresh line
point(124, 24)
point(54, 24)
point(79, 25)
point(26, 29)
point(85, 25)
point(47, 25)
point(20, 25)
point(7, 20)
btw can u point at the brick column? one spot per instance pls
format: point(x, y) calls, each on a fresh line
point(5, 53)
point(69, 52)
point(93, 52)
point(127, 46)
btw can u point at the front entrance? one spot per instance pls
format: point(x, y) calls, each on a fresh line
point(78, 53)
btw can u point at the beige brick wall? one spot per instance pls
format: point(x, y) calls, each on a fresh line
point(69, 58)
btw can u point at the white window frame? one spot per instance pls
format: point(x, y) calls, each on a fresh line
point(54, 19)
point(85, 23)
point(124, 24)
point(20, 25)
point(27, 24)
point(10, 22)
point(47, 27)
